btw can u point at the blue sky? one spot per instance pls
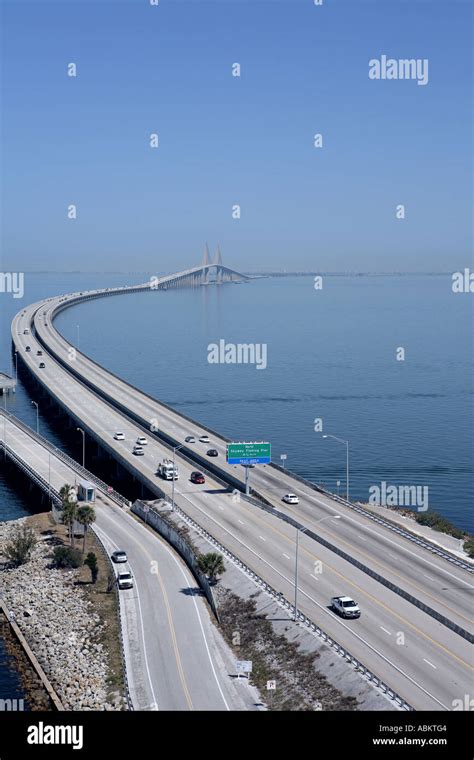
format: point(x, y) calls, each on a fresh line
point(226, 140)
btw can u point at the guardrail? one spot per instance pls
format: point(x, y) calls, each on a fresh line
point(283, 602)
point(59, 454)
point(119, 608)
point(360, 566)
point(56, 500)
point(424, 543)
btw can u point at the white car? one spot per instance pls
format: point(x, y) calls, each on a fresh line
point(290, 498)
point(345, 606)
point(138, 451)
point(204, 438)
point(119, 437)
point(125, 580)
point(141, 440)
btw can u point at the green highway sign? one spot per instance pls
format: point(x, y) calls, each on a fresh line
point(255, 452)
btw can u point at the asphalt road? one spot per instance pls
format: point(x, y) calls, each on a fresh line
point(421, 659)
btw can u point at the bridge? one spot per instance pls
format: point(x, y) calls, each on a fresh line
point(404, 582)
point(208, 272)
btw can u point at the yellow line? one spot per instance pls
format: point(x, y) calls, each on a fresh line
point(380, 564)
point(374, 599)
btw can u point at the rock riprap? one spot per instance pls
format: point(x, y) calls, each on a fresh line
point(59, 624)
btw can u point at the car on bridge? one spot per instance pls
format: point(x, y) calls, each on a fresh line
point(28, 349)
point(290, 498)
point(212, 453)
point(138, 451)
point(119, 436)
point(119, 556)
point(345, 606)
point(39, 352)
point(125, 580)
point(197, 477)
point(141, 440)
point(42, 365)
point(26, 331)
point(204, 438)
point(190, 439)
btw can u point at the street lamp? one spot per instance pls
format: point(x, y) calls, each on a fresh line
point(341, 440)
point(298, 531)
point(37, 416)
point(176, 448)
point(80, 430)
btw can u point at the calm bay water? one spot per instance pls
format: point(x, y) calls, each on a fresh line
point(331, 356)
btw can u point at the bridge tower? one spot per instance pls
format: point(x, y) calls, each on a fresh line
point(205, 263)
point(218, 264)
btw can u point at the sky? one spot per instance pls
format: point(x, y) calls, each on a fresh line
point(226, 141)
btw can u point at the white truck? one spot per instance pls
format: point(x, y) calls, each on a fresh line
point(167, 470)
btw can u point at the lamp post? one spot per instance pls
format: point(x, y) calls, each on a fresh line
point(37, 416)
point(80, 430)
point(298, 531)
point(176, 448)
point(341, 440)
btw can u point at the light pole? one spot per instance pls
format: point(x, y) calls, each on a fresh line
point(298, 531)
point(37, 416)
point(77, 331)
point(341, 440)
point(80, 430)
point(16, 366)
point(49, 478)
point(176, 448)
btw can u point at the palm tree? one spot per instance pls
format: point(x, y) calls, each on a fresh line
point(69, 516)
point(212, 564)
point(66, 493)
point(85, 516)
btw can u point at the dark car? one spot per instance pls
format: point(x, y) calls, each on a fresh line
point(197, 477)
point(42, 365)
point(190, 439)
point(212, 453)
point(39, 353)
point(27, 348)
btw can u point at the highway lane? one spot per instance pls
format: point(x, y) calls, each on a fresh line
point(445, 588)
point(401, 666)
point(181, 666)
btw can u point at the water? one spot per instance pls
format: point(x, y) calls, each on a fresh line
point(331, 355)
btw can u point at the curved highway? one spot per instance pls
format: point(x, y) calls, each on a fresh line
point(422, 659)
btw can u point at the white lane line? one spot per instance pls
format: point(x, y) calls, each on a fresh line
point(428, 576)
point(155, 701)
point(221, 508)
point(385, 630)
point(313, 576)
point(137, 527)
point(361, 537)
point(263, 539)
point(242, 523)
point(429, 663)
point(320, 606)
point(286, 555)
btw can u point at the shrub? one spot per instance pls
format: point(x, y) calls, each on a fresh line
point(469, 547)
point(18, 550)
point(438, 522)
point(91, 562)
point(66, 556)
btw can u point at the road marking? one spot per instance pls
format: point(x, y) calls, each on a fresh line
point(263, 539)
point(429, 663)
point(361, 537)
point(286, 555)
point(428, 576)
point(155, 701)
point(221, 508)
point(313, 576)
point(384, 629)
point(240, 521)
